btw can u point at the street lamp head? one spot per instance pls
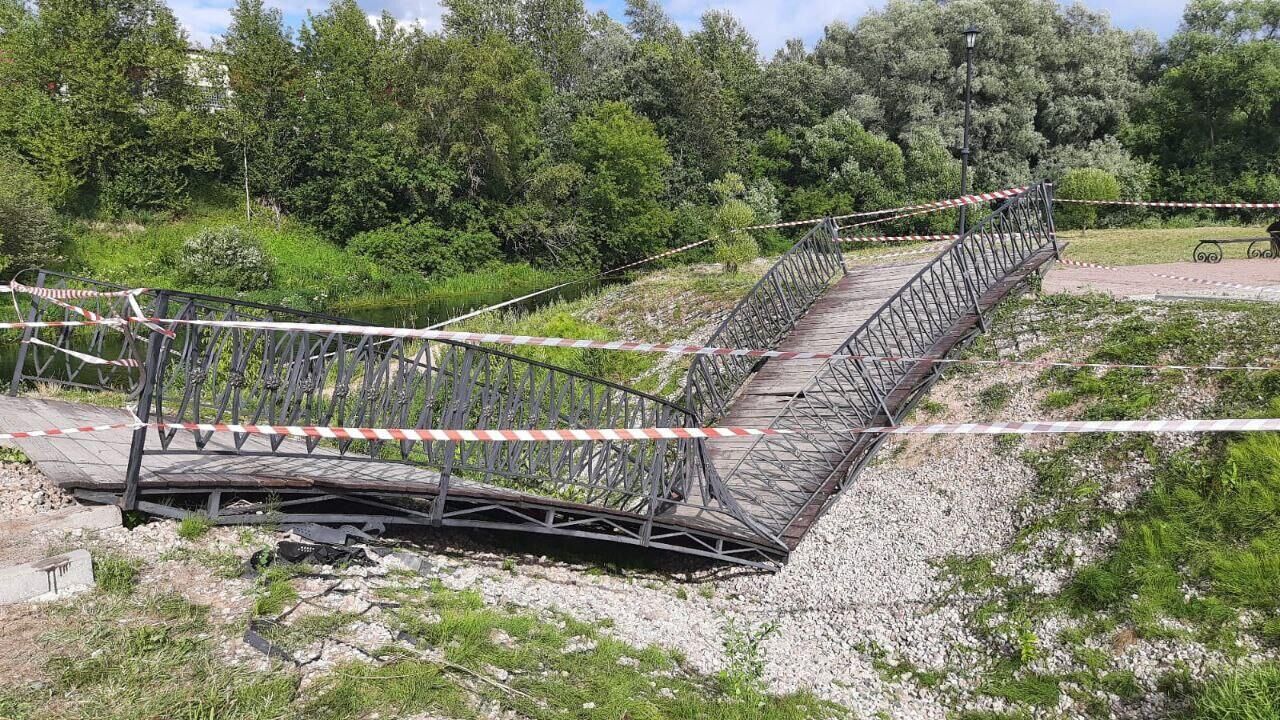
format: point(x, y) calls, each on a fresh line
point(971, 36)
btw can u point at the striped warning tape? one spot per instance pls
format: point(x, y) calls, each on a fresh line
point(899, 238)
point(91, 359)
point(1167, 276)
point(633, 346)
point(921, 208)
point(67, 293)
point(64, 323)
point(68, 431)
point(681, 433)
point(1175, 204)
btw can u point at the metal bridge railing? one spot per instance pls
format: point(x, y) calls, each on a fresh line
point(236, 375)
point(763, 318)
point(791, 471)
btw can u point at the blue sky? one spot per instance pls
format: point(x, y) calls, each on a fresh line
point(771, 21)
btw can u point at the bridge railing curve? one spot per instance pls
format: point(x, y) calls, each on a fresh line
point(799, 473)
point(640, 492)
point(763, 318)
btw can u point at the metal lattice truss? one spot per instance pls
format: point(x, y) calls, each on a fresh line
point(657, 493)
point(800, 474)
point(763, 318)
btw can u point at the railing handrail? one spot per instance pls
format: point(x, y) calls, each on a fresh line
point(956, 253)
point(809, 244)
point(330, 319)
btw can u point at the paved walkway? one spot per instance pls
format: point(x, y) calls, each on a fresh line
point(1137, 281)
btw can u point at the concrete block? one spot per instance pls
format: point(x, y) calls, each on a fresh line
point(46, 579)
point(76, 517)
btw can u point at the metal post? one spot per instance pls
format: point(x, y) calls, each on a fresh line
point(148, 386)
point(1047, 189)
point(460, 398)
point(27, 334)
point(970, 37)
point(835, 242)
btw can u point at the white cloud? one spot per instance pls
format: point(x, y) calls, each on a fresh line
point(206, 20)
point(773, 22)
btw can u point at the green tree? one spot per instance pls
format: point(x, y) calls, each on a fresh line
point(1084, 184)
point(97, 97)
point(733, 246)
point(1210, 124)
point(726, 47)
point(30, 233)
point(669, 84)
point(262, 74)
point(359, 165)
point(1045, 75)
point(478, 102)
point(624, 162)
point(841, 167)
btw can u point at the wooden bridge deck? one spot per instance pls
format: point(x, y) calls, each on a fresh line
point(827, 324)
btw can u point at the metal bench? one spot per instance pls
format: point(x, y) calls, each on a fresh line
point(1269, 248)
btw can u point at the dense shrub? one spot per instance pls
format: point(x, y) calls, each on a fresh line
point(427, 249)
point(1084, 184)
point(733, 245)
point(30, 233)
point(225, 257)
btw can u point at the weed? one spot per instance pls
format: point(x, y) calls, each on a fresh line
point(115, 574)
point(1246, 694)
point(13, 455)
point(931, 407)
point(744, 651)
point(995, 397)
point(1031, 689)
point(194, 526)
point(273, 591)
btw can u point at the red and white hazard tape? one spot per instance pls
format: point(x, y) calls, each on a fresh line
point(67, 293)
point(1183, 278)
point(906, 209)
point(91, 359)
point(67, 431)
point(1175, 204)
point(681, 433)
point(899, 238)
point(632, 346)
point(64, 323)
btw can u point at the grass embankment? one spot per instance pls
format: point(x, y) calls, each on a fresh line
point(311, 272)
point(1144, 246)
point(126, 651)
point(660, 306)
point(1196, 558)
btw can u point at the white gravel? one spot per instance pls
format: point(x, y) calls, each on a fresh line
point(863, 584)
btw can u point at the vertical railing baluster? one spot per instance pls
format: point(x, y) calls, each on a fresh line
point(148, 387)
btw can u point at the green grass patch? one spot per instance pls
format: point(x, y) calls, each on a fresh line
point(1143, 246)
point(995, 397)
point(568, 668)
point(1246, 694)
point(194, 526)
point(115, 574)
point(141, 656)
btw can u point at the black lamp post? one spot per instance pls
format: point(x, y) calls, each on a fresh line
point(970, 39)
